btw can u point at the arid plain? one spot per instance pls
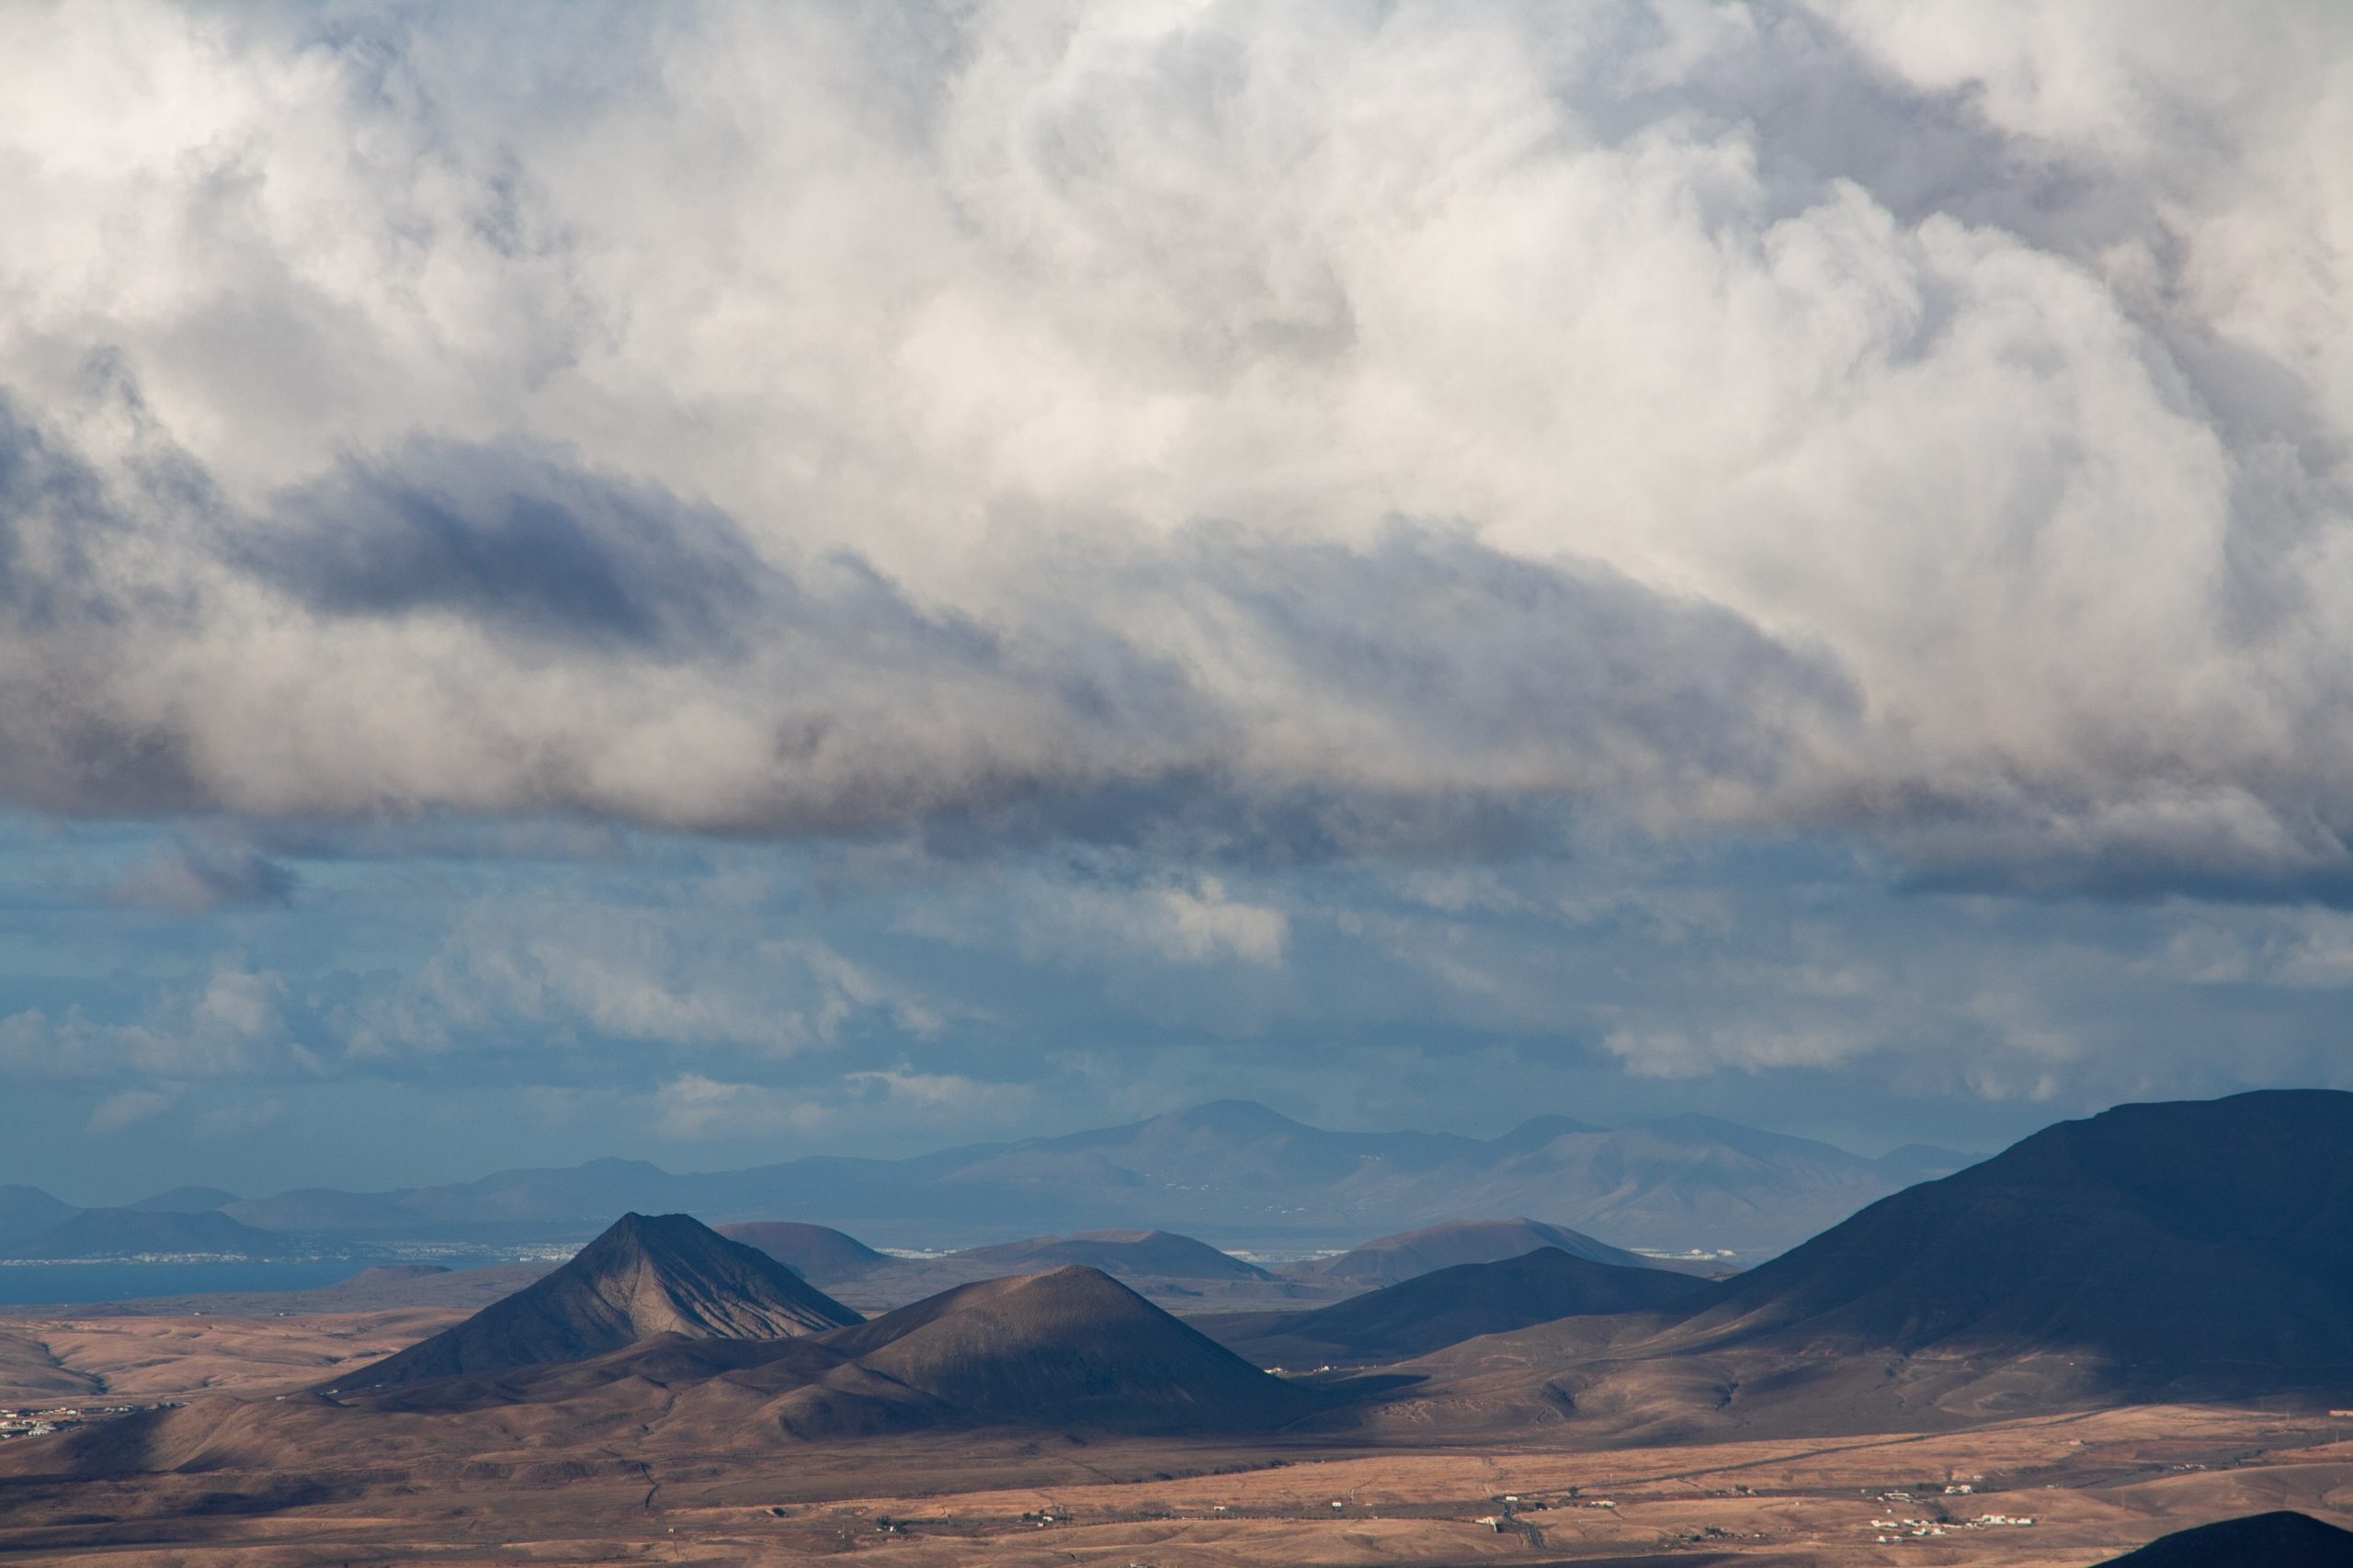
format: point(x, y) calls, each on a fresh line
point(2096, 1484)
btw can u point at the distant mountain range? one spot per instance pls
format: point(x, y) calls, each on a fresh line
point(1232, 1172)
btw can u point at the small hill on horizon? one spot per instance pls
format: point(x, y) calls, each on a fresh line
point(644, 1277)
point(1135, 1254)
point(1393, 1260)
point(817, 1252)
point(100, 1233)
point(185, 1200)
point(1448, 1306)
point(2283, 1539)
point(27, 1211)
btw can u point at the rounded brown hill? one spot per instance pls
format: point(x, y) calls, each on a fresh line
point(1450, 1305)
point(1393, 1260)
point(1070, 1347)
point(644, 1277)
point(2191, 1245)
point(818, 1252)
point(1137, 1253)
point(2281, 1539)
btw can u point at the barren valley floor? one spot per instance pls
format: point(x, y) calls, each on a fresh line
point(2095, 1484)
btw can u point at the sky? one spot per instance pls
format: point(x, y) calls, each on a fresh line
point(711, 583)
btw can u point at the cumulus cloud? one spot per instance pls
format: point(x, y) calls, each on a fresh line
point(1316, 432)
point(228, 1024)
point(127, 1109)
point(520, 972)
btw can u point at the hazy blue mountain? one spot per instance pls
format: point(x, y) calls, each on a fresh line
point(131, 1232)
point(1231, 1172)
point(28, 1210)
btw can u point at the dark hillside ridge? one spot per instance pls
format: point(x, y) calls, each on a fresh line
point(2281, 1539)
point(2196, 1245)
point(644, 1277)
point(1448, 1306)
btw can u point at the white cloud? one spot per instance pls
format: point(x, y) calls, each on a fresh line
point(226, 1025)
point(692, 1107)
point(1101, 921)
point(523, 970)
point(127, 1109)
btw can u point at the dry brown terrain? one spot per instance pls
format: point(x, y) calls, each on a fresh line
point(465, 1490)
point(144, 1360)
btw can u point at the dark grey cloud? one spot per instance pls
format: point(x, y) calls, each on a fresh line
point(517, 542)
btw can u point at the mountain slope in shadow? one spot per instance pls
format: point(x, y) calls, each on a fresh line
point(2199, 1244)
point(2281, 1540)
point(643, 1278)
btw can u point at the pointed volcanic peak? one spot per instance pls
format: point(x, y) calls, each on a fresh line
point(817, 1252)
point(1161, 1255)
point(1393, 1260)
point(1448, 1306)
point(2281, 1539)
point(2187, 1247)
point(1070, 1347)
point(644, 1277)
